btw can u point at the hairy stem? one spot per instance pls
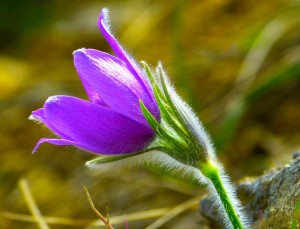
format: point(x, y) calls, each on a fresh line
point(212, 172)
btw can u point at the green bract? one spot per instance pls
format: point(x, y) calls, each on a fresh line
point(173, 133)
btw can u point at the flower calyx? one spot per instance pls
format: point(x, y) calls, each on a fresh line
point(173, 134)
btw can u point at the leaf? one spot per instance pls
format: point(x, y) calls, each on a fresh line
point(150, 119)
point(170, 140)
point(148, 72)
point(109, 159)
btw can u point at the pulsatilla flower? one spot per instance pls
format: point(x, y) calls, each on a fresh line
point(111, 122)
point(134, 115)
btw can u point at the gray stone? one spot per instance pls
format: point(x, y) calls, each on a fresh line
point(296, 154)
point(270, 200)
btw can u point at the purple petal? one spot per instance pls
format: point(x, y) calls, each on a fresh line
point(39, 115)
point(103, 25)
point(94, 127)
point(107, 78)
point(59, 142)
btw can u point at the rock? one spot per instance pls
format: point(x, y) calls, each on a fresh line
point(270, 200)
point(296, 154)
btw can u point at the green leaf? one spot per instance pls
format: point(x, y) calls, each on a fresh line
point(164, 106)
point(170, 101)
point(172, 121)
point(148, 72)
point(149, 117)
point(170, 141)
point(109, 159)
point(160, 96)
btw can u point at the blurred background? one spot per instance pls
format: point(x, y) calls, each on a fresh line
point(237, 63)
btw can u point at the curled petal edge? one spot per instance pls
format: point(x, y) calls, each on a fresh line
point(54, 141)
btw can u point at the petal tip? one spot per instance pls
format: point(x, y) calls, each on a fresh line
point(79, 51)
point(37, 115)
point(104, 15)
point(31, 117)
point(52, 99)
point(103, 20)
point(36, 147)
point(35, 118)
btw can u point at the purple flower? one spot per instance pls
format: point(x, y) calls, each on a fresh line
point(111, 122)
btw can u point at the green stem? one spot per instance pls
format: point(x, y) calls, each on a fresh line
point(211, 171)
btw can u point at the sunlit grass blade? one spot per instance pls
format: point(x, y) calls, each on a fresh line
point(62, 221)
point(24, 187)
point(175, 212)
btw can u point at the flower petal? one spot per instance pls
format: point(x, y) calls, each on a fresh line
point(107, 78)
point(59, 142)
point(103, 24)
point(94, 127)
point(38, 115)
